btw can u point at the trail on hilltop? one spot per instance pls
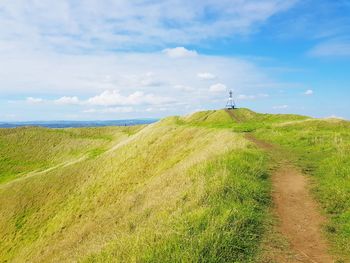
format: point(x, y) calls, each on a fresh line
point(299, 220)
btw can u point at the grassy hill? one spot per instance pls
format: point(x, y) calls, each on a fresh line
point(322, 149)
point(164, 193)
point(27, 149)
point(185, 189)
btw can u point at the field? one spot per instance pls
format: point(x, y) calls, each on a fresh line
point(164, 193)
point(190, 189)
point(27, 149)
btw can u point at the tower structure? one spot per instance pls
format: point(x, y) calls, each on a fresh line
point(230, 103)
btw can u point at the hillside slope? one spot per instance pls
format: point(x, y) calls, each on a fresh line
point(190, 189)
point(169, 192)
point(28, 149)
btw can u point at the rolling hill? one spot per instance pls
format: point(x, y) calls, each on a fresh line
point(191, 189)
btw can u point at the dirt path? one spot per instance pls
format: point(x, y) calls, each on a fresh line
point(232, 115)
point(299, 220)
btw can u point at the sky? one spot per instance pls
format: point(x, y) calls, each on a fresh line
point(124, 59)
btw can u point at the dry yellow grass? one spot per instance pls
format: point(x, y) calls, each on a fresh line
point(28, 149)
point(137, 200)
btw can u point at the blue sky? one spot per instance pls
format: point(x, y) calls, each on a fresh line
point(109, 59)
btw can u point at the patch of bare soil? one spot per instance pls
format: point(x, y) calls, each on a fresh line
point(232, 115)
point(299, 220)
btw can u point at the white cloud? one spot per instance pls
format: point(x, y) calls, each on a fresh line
point(148, 79)
point(151, 77)
point(110, 110)
point(112, 98)
point(72, 43)
point(309, 92)
point(184, 88)
point(128, 73)
point(125, 24)
point(109, 98)
point(32, 100)
point(67, 100)
point(206, 76)
point(179, 52)
point(280, 107)
point(218, 87)
point(333, 48)
point(251, 97)
point(157, 109)
point(64, 49)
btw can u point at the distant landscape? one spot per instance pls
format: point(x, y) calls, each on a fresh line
point(201, 188)
point(76, 124)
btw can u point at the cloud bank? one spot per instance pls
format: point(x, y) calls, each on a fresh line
point(124, 56)
point(105, 24)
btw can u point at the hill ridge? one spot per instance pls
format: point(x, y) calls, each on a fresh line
point(189, 188)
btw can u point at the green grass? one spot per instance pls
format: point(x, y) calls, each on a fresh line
point(206, 119)
point(245, 120)
point(217, 219)
point(250, 121)
point(23, 150)
point(186, 189)
point(170, 192)
point(322, 149)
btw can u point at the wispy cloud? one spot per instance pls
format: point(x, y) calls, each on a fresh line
point(66, 100)
point(314, 20)
point(218, 87)
point(108, 98)
point(73, 78)
point(309, 92)
point(251, 97)
point(280, 107)
point(32, 100)
point(184, 88)
point(332, 48)
point(105, 24)
point(206, 76)
point(179, 52)
point(110, 110)
point(99, 55)
point(112, 98)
